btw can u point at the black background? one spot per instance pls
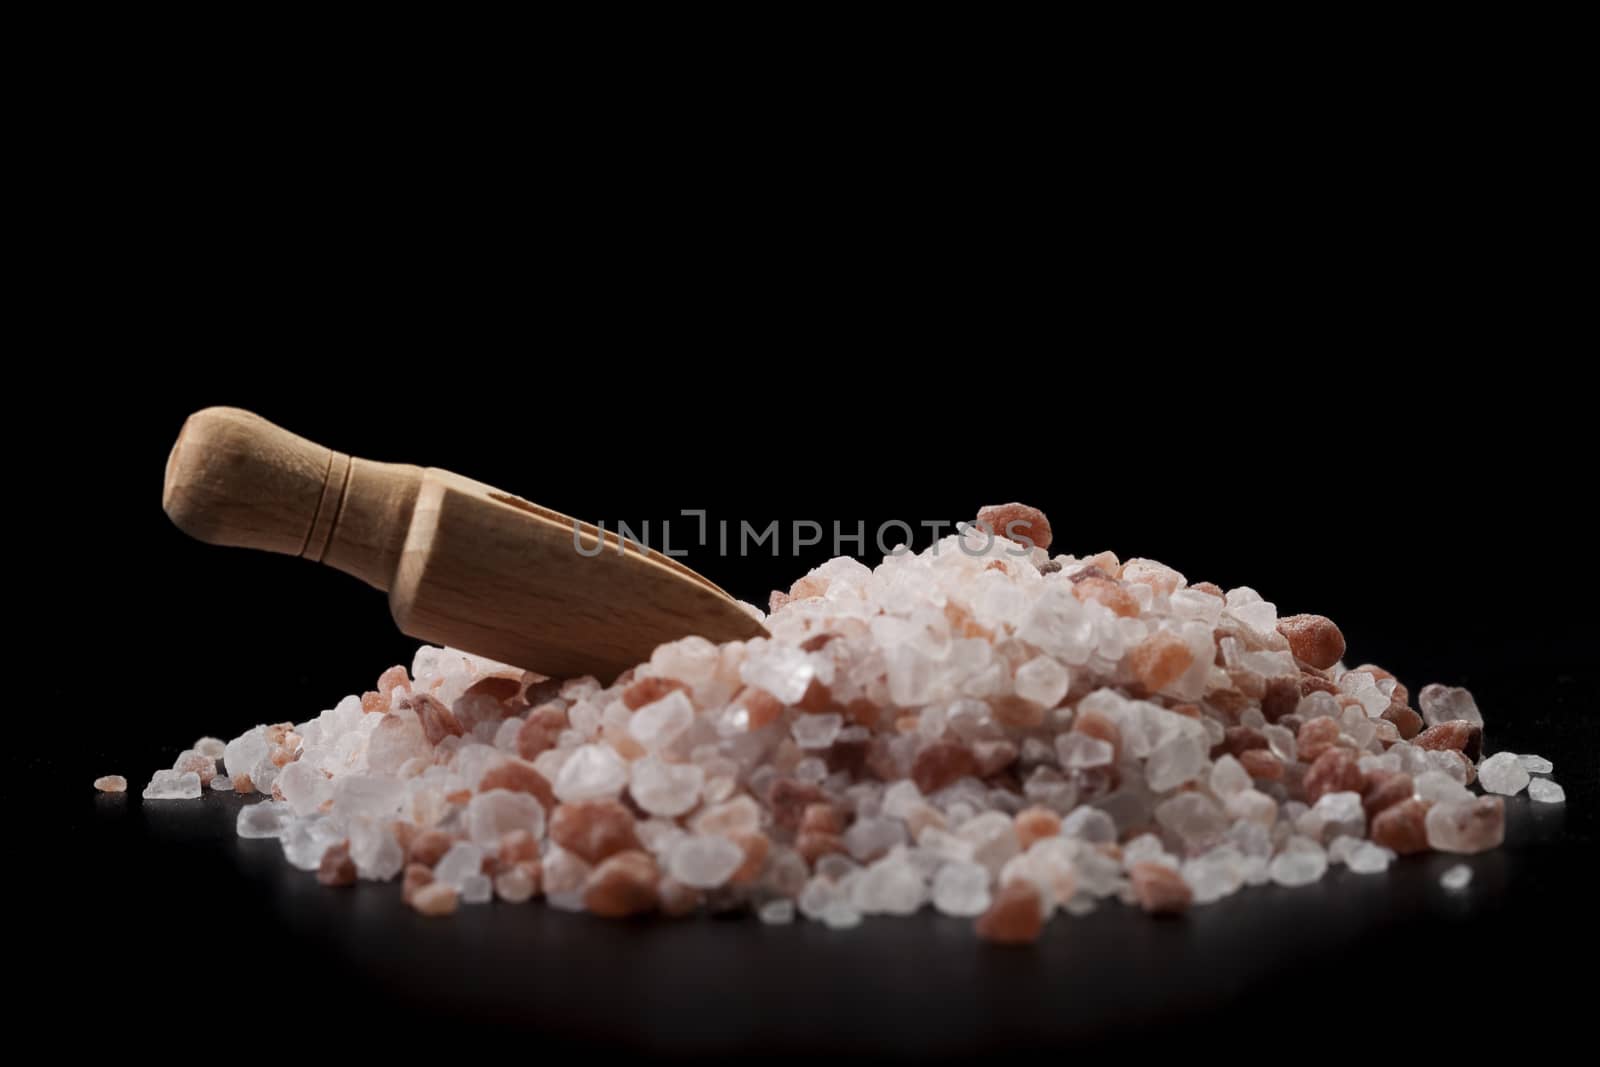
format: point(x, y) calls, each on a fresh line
point(1349, 382)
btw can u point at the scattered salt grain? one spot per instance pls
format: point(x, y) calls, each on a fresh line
point(1535, 764)
point(1546, 791)
point(173, 785)
point(111, 783)
point(1502, 773)
point(265, 819)
point(1457, 877)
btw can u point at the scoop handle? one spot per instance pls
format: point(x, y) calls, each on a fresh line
point(234, 478)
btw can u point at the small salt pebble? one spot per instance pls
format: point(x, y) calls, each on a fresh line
point(222, 783)
point(111, 783)
point(1545, 791)
point(776, 912)
point(1502, 773)
point(1535, 764)
point(435, 899)
point(1456, 877)
point(210, 747)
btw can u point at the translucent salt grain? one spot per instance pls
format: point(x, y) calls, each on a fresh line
point(1502, 773)
point(1042, 681)
point(1457, 877)
point(222, 783)
point(305, 840)
point(816, 731)
point(1545, 791)
point(1079, 751)
point(593, 772)
point(1443, 703)
point(1297, 866)
point(462, 861)
point(476, 889)
point(111, 783)
point(266, 819)
point(1535, 764)
point(210, 747)
point(776, 912)
point(961, 889)
point(1368, 858)
point(173, 785)
point(704, 861)
point(657, 725)
point(514, 885)
point(665, 789)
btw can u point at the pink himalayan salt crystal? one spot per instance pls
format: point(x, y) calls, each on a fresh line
point(111, 783)
point(625, 884)
point(1159, 889)
point(1016, 522)
point(1313, 639)
point(435, 899)
point(593, 829)
point(337, 868)
point(1016, 917)
point(203, 765)
point(1159, 660)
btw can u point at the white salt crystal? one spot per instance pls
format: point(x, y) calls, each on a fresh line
point(305, 840)
point(375, 850)
point(657, 725)
point(840, 915)
point(1194, 818)
point(462, 861)
point(1300, 863)
point(1089, 824)
point(1340, 847)
point(1079, 751)
point(243, 753)
point(173, 785)
point(1535, 764)
point(222, 783)
point(1215, 874)
point(1457, 877)
point(476, 889)
point(1443, 703)
point(1436, 787)
point(961, 889)
point(1546, 791)
point(1175, 762)
point(1502, 773)
point(817, 731)
point(493, 814)
point(1367, 858)
point(210, 747)
point(892, 886)
point(665, 789)
point(1281, 741)
point(593, 772)
point(1042, 681)
point(304, 787)
point(776, 912)
point(781, 670)
point(1229, 777)
point(266, 819)
point(868, 838)
point(704, 861)
point(1339, 813)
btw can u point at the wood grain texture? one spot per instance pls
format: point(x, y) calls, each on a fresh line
point(464, 564)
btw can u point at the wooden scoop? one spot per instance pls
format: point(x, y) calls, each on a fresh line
point(463, 563)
